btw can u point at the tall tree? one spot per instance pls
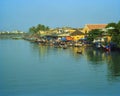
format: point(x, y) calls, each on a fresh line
point(114, 30)
point(32, 30)
point(38, 28)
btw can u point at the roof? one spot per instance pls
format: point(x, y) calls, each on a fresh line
point(96, 26)
point(77, 32)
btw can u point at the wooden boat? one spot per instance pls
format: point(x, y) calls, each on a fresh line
point(65, 47)
point(79, 51)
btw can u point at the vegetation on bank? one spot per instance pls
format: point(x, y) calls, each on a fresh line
point(94, 34)
point(39, 27)
point(112, 29)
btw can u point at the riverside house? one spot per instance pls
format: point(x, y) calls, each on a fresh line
point(77, 35)
point(105, 37)
point(89, 27)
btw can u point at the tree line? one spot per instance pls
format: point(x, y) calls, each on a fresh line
point(39, 27)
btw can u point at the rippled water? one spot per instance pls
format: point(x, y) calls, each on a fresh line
point(27, 69)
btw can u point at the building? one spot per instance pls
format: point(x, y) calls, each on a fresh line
point(105, 37)
point(89, 27)
point(77, 35)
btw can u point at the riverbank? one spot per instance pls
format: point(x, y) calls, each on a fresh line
point(59, 42)
point(62, 43)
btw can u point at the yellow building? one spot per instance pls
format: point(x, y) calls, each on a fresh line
point(71, 30)
point(77, 35)
point(89, 27)
point(107, 38)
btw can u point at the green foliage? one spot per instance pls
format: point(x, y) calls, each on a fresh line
point(115, 32)
point(39, 27)
point(118, 26)
point(32, 30)
point(94, 33)
point(112, 28)
point(114, 25)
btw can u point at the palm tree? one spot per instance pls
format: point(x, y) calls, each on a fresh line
point(32, 30)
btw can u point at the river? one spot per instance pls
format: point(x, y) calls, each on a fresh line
point(28, 69)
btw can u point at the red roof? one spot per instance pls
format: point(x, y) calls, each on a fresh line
point(96, 26)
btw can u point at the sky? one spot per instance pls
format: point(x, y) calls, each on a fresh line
point(23, 14)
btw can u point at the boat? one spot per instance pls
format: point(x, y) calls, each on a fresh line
point(79, 51)
point(65, 46)
point(107, 48)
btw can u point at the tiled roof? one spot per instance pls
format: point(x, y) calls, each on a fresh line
point(96, 26)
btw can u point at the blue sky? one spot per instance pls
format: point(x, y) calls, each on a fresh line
point(22, 14)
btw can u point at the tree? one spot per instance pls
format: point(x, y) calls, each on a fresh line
point(39, 27)
point(114, 31)
point(94, 34)
point(112, 28)
point(47, 28)
point(118, 26)
point(32, 30)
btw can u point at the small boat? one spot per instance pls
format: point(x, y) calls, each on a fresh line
point(78, 45)
point(79, 51)
point(65, 47)
point(107, 49)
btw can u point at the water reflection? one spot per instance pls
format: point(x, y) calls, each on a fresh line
point(73, 53)
point(112, 60)
point(113, 66)
point(96, 57)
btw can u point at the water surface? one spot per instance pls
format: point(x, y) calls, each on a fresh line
point(27, 69)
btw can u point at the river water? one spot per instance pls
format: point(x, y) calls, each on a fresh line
point(28, 69)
